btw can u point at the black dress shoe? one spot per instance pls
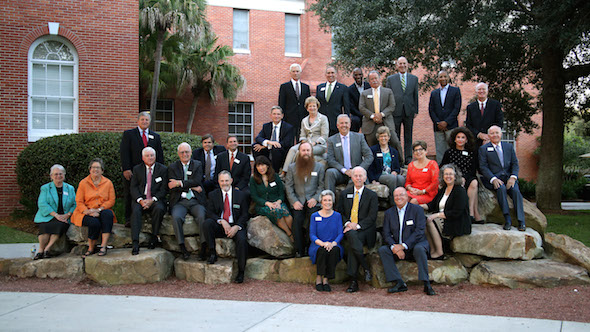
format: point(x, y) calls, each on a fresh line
point(354, 287)
point(428, 290)
point(203, 252)
point(297, 254)
point(135, 250)
point(239, 278)
point(399, 287)
point(327, 288)
point(368, 276)
point(480, 222)
point(212, 259)
point(319, 287)
point(186, 255)
point(507, 226)
point(521, 227)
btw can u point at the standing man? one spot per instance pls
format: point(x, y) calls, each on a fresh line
point(207, 155)
point(403, 233)
point(354, 93)
point(186, 193)
point(444, 107)
point(275, 139)
point(292, 97)
point(333, 98)
point(499, 169)
point(405, 91)
point(358, 206)
point(133, 142)
point(236, 163)
point(483, 113)
point(148, 190)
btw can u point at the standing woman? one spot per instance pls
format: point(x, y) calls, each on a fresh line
point(57, 201)
point(94, 200)
point(422, 176)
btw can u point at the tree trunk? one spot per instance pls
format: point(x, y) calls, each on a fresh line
point(156, 80)
point(191, 114)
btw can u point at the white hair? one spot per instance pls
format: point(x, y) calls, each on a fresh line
point(147, 149)
point(481, 83)
point(183, 144)
point(57, 166)
point(295, 65)
point(342, 116)
point(144, 114)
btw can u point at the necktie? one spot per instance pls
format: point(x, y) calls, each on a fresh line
point(329, 93)
point(481, 109)
point(346, 153)
point(403, 82)
point(148, 186)
point(274, 134)
point(500, 154)
point(144, 138)
point(208, 166)
point(189, 195)
point(354, 213)
point(297, 91)
point(226, 209)
point(376, 100)
point(231, 161)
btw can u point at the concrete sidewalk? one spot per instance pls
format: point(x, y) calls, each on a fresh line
point(17, 250)
point(73, 312)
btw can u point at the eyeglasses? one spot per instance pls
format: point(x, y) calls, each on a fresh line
point(418, 150)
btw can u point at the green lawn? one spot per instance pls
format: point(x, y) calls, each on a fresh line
point(11, 235)
point(575, 224)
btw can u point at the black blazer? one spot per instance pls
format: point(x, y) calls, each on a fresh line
point(293, 107)
point(447, 112)
point(286, 136)
point(337, 105)
point(413, 229)
point(456, 211)
point(132, 145)
point(353, 99)
point(159, 182)
point(376, 168)
point(367, 214)
point(199, 154)
point(492, 115)
point(239, 208)
point(490, 166)
point(194, 178)
point(240, 171)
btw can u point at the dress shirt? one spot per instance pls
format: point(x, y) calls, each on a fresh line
point(213, 161)
point(342, 138)
point(400, 214)
point(231, 215)
point(405, 77)
point(147, 169)
point(360, 88)
point(185, 170)
point(328, 84)
point(295, 83)
point(278, 130)
point(443, 94)
point(147, 132)
point(360, 191)
point(482, 104)
point(496, 146)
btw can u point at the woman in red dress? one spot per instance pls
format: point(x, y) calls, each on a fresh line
point(422, 176)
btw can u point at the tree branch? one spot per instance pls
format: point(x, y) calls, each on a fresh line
point(524, 9)
point(574, 72)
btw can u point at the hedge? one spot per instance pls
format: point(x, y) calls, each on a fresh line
point(74, 152)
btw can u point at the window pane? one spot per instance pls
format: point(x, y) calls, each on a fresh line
point(67, 88)
point(67, 122)
point(53, 88)
point(52, 106)
point(67, 73)
point(240, 29)
point(38, 71)
point(52, 121)
point(39, 87)
point(38, 121)
point(52, 72)
point(38, 106)
point(67, 107)
point(291, 33)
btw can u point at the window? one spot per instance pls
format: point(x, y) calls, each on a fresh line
point(240, 124)
point(163, 120)
point(241, 31)
point(53, 88)
point(508, 136)
point(292, 35)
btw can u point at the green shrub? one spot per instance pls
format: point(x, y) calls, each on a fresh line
point(527, 188)
point(573, 188)
point(74, 152)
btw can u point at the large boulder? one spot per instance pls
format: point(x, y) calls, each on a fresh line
point(563, 248)
point(170, 243)
point(468, 260)
point(381, 190)
point(190, 226)
point(301, 270)
point(490, 240)
point(225, 248)
point(528, 274)
point(222, 272)
point(262, 269)
point(120, 236)
point(64, 266)
point(269, 238)
point(60, 246)
point(120, 267)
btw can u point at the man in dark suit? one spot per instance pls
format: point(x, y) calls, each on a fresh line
point(292, 97)
point(483, 113)
point(333, 98)
point(499, 169)
point(132, 143)
point(409, 242)
point(186, 193)
point(354, 93)
point(148, 190)
point(444, 107)
point(405, 90)
point(235, 162)
point(275, 139)
point(207, 155)
point(358, 206)
point(346, 150)
point(227, 216)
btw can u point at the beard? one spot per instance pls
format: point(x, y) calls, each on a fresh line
point(303, 166)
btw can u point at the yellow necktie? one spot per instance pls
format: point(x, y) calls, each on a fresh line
point(376, 100)
point(354, 213)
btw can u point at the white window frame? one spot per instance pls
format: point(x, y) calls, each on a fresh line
point(298, 53)
point(245, 147)
point(508, 137)
point(36, 134)
point(240, 49)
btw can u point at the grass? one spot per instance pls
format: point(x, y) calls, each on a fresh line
point(11, 235)
point(575, 224)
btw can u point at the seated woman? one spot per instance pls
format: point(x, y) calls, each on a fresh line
point(463, 154)
point(422, 176)
point(385, 167)
point(57, 201)
point(314, 129)
point(325, 233)
point(268, 193)
point(452, 211)
point(94, 200)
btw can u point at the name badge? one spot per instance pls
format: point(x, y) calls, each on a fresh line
point(490, 149)
point(237, 161)
point(380, 154)
point(272, 184)
point(318, 218)
point(323, 89)
point(215, 157)
point(349, 195)
point(465, 153)
point(370, 96)
point(189, 172)
point(158, 179)
point(409, 222)
point(151, 136)
point(236, 206)
point(65, 193)
point(338, 145)
point(424, 170)
point(314, 173)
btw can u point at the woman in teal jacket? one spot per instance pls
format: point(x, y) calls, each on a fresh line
point(56, 202)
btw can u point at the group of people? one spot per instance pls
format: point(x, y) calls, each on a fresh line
point(311, 145)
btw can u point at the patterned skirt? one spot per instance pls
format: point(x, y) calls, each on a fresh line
point(274, 214)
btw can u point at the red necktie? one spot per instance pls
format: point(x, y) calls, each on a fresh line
point(481, 109)
point(231, 161)
point(145, 140)
point(226, 210)
point(148, 186)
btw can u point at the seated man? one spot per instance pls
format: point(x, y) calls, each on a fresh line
point(407, 242)
point(358, 206)
point(207, 156)
point(275, 139)
point(186, 193)
point(346, 150)
point(499, 167)
point(304, 182)
point(236, 163)
point(227, 216)
point(148, 192)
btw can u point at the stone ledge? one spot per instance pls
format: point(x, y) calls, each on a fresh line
point(222, 272)
point(64, 266)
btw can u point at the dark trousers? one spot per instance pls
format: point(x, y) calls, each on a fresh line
point(419, 253)
point(157, 211)
point(276, 156)
point(502, 195)
point(300, 224)
point(97, 226)
point(355, 123)
point(127, 199)
point(209, 186)
point(213, 230)
point(408, 122)
point(356, 240)
point(326, 262)
point(179, 211)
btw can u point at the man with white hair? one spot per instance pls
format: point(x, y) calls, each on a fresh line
point(483, 113)
point(292, 95)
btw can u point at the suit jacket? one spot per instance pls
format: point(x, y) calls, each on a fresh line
point(367, 213)
point(456, 211)
point(132, 145)
point(353, 98)
point(386, 107)
point(194, 179)
point(159, 186)
point(447, 112)
point(240, 172)
point(413, 226)
point(286, 135)
point(239, 208)
point(48, 201)
point(490, 166)
point(199, 154)
point(360, 153)
point(492, 115)
point(406, 101)
point(299, 191)
point(337, 105)
point(293, 107)
point(376, 168)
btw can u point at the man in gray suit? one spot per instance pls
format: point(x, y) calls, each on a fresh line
point(405, 92)
point(304, 182)
point(377, 105)
point(346, 150)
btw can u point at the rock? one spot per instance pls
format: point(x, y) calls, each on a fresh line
point(490, 240)
point(190, 227)
point(60, 246)
point(301, 270)
point(225, 248)
point(120, 267)
point(564, 248)
point(170, 243)
point(262, 269)
point(380, 218)
point(264, 235)
point(79, 250)
point(468, 260)
point(6, 264)
point(381, 190)
point(77, 234)
point(528, 274)
point(64, 266)
point(222, 272)
point(120, 236)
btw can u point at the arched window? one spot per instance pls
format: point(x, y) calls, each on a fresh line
point(53, 88)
